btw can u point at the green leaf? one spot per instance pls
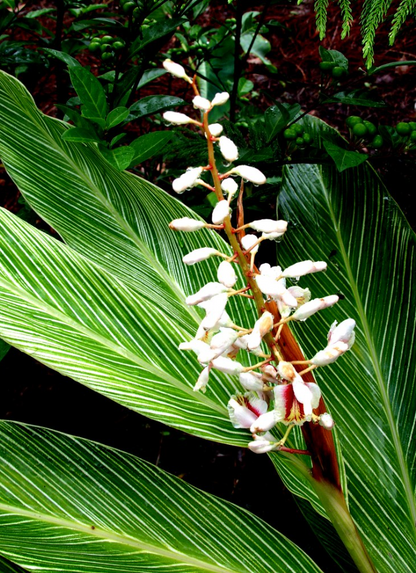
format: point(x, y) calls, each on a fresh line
point(67, 504)
point(107, 309)
point(154, 33)
point(116, 116)
point(80, 134)
point(356, 97)
point(150, 75)
point(350, 220)
point(149, 145)
point(333, 56)
point(154, 104)
point(64, 57)
point(343, 158)
point(90, 92)
point(7, 566)
point(120, 158)
point(278, 116)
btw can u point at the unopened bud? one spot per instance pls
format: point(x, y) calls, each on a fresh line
point(220, 212)
point(251, 381)
point(249, 173)
point(199, 255)
point(265, 422)
point(201, 103)
point(186, 180)
point(177, 118)
point(202, 381)
point(229, 186)
point(344, 332)
point(186, 224)
point(205, 293)
point(226, 274)
point(220, 98)
point(269, 226)
point(228, 149)
point(247, 243)
point(304, 268)
point(215, 129)
point(176, 70)
point(309, 308)
point(262, 446)
point(329, 354)
point(287, 371)
point(326, 421)
point(227, 365)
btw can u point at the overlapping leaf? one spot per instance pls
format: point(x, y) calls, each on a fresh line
point(67, 504)
point(350, 220)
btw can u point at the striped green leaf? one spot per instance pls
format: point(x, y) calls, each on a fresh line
point(107, 308)
point(68, 504)
point(350, 220)
point(7, 566)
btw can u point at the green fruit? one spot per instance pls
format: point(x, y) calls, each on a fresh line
point(307, 138)
point(105, 48)
point(298, 128)
point(299, 141)
point(372, 130)
point(413, 137)
point(338, 72)
point(412, 125)
point(136, 12)
point(290, 133)
point(353, 120)
point(327, 66)
point(377, 142)
point(107, 39)
point(94, 46)
point(360, 130)
point(128, 7)
point(403, 128)
point(118, 45)
point(106, 56)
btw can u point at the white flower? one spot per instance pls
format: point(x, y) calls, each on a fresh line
point(330, 354)
point(199, 255)
point(263, 325)
point(215, 309)
point(309, 308)
point(344, 332)
point(202, 381)
point(205, 293)
point(229, 186)
point(228, 149)
point(220, 98)
point(261, 445)
point(326, 421)
point(177, 118)
point(201, 103)
point(215, 129)
point(220, 212)
point(186, 224)
point(187, 179)
point(304, 268)
point(226, 274)
point(248, 241)
point(250, 174)
point(265, 422)
point(176, 70)
point(251, 381)
point(269, 226)
point(227, 365)
point(294, 402)
point(195, 345)
point(245, 409)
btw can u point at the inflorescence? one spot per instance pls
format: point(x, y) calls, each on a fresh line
point(274, 390)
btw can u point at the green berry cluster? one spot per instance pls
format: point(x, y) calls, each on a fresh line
point(337, 72)
point(407, 130)
point(296, 134)
point(128, 6)
point(107, 46)
point(363, 129)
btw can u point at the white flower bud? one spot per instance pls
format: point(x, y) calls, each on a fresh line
point(263, 325)
point(304, 268)
point(201, 103)
point(248, 241)
point(329, 354)
point(195, 345)
point(215, 309)
point(262, 446)
point(309, 308)
point(251, 381)
point(229, 186)
point(302, 295)
point(287, 371)
point(187, 180)
point(226, 274)
point(215, 129)
point(186, 224)
point(272, 236)
point(176, 70)
point(199, 255)
point(265, 422)
point(205, 293)
point(344, 332)
point(220, 212)
point(220, 98)
point(228, 149)
point(249, 173)
point(326, 421)
point(269, 226)
point(227, 365)
point(202, 381)
point(177, 118)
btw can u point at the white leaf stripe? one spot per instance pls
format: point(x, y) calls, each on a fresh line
point(371, 391)
point(78, 192)
point(71, 505)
